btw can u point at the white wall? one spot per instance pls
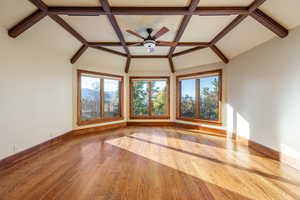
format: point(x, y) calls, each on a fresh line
point(264, 96)
point(35, 93)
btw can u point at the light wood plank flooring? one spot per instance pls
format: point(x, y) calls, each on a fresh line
point(157, 163)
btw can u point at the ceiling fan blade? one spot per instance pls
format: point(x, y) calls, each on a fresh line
point(135, 44)
point(164, 43)
point(135, 34)
point(161, 32)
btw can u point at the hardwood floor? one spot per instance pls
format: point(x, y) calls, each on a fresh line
point(157, 163)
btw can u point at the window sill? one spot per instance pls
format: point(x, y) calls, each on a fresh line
point(98, 121)
point(216, 123)
point(149, 117)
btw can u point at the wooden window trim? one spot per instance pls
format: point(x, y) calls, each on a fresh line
point(131, 116)
point(101, 120)
point(178, 97)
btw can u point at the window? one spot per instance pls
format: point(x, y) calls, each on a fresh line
point(199, 97)
point(149, 98)
point(99, 97)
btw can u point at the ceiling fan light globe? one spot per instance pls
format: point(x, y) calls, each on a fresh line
point(149, 44)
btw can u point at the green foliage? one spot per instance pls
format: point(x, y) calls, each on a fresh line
point(209, 103)
point(187, 106)
point(141, 99)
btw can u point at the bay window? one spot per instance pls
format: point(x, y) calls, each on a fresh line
point(149, 98)
point(99, 97)
point(199, 97)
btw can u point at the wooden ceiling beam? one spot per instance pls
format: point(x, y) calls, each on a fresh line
point(77, 55)
point(93, 44)
point(228, 28)
point(81, 11)
point(128, 61)
point(202, 11)
point(111, 51)
point(255, 5)
point(189, 51)
point(219, 53)
point(172, 68)
point(269, 23)
point(150, 56)
point(114, 23)
point(26, 23)
point(184, 24)
point(68, 28)
point(40, 4)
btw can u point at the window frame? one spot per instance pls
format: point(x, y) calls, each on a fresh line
point(148, 78)
point(219, 73)
point(101, 119)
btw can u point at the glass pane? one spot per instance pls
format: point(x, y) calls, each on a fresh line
point(159, 97)
point(188, 95)
point(111, 98)
point(90, 98)
point(140, 98)
point(209, 98)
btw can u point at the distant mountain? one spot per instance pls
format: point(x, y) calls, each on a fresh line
point(87, 93)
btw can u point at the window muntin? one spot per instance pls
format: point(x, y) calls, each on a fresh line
point(159, 98)
point(209, 98)
point(99, 97)
point(188, 97)
point(149, 98)
point(111, 98)
point(90, 98)
point(200, 97)
point(140, 98)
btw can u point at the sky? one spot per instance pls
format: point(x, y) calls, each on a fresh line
point(188, 85)
point(110, 85)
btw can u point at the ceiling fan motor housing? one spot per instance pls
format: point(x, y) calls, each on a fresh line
point(149, 43)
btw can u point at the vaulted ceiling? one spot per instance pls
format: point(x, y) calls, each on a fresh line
point(207, 31)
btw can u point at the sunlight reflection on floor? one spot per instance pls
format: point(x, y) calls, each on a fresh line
point(223, 167)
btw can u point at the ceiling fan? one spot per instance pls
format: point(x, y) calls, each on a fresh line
point(150, 42)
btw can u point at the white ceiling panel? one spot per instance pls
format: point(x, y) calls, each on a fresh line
point(141, 23)
point(72, 2)
point(13, 11)
point(150, 3)
point(285, 12)
point(205, 28)
point(119, 49)
point(244, 37)
point(43, 33)
point(179, 49)
point(149, 65)
point(93, 28)
point(225, 2)
point(196, 58)
point(102, 61)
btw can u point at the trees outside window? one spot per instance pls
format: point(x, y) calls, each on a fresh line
point(99, 97)
point(149, 97)
point(200, 97)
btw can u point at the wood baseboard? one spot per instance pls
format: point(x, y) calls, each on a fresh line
point(145, 123)
point(98, 129)
point(202, 128)
point(269, 152)
point(13, 159)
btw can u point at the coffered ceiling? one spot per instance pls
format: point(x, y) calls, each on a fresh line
point(102, 31)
